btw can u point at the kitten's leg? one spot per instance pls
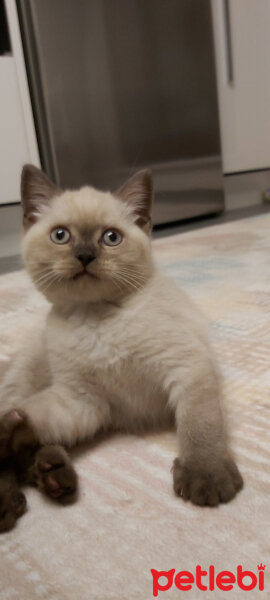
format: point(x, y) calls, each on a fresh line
point(65, 416)
point(54, 416)
point(206, 474)
point(49, 467)
point(16, 432)
point(12, 500)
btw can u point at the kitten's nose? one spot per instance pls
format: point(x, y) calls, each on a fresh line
point(85, 259)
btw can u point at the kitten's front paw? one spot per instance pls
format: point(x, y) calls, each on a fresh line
point(16, 432)
point(206, 486)
point(54, 474)
point(12, 506)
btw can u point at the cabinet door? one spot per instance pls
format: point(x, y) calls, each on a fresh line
point(13, 142)
point(17, 138)
point(242, 45)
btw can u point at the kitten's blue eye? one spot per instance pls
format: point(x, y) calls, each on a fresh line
point(111, 237)
point(60, 235)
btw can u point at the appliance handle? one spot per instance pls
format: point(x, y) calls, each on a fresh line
point(228, 42)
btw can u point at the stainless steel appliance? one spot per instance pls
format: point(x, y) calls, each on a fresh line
point(121, 84)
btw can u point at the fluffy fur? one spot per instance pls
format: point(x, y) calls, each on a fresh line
point(122, 346)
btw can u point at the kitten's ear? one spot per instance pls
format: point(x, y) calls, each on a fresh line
point(137, 193)
point(36, 192)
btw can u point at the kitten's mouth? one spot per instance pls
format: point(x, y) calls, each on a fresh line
point(84, 274)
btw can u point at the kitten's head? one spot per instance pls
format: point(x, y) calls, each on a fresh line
point(86, 245)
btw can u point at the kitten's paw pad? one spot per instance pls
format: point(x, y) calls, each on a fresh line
point(206, 486)
point(12, 506)
point(54, 474)
point(16, 432)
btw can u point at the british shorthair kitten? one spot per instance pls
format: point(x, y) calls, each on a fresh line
point(122, 348)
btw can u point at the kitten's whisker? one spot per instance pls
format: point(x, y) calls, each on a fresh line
point(136, 284)
point(49, 273)
point(126, 279)
point(125, 271)
point(54, 280)
point(136, 276)
point(49, 277)
point(44, 277)
point(123, 279)
point(132, 275)
point(114, 280)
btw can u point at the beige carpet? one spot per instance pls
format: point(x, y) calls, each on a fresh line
point(128, 520)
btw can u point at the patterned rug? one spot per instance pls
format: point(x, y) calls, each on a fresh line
point(128, 520)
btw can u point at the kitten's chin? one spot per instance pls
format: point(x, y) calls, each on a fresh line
point(81, 289)
point(84, 275)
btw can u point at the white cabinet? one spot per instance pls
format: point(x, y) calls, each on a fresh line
point(18, 143)
point(241, 27)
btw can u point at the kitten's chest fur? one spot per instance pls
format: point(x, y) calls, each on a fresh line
point(100, 349)
point(89, 339)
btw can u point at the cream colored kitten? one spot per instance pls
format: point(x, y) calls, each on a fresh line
point(122, 346)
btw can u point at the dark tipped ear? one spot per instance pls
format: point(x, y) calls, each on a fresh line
point(36, 191)
point(137, 193)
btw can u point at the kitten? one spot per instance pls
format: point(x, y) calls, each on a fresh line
point(122, 346)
